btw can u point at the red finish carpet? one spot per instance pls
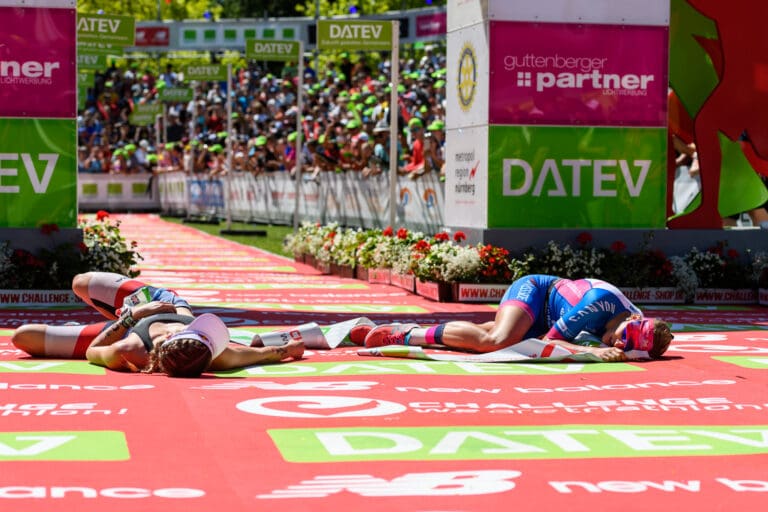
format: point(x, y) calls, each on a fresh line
point(338, 431)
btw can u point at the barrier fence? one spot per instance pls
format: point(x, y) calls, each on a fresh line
point(346, 198)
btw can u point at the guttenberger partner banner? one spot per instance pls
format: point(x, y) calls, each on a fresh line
point(38, 101)
point(577, 125)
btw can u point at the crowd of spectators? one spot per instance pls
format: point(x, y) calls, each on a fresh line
point(344, 123)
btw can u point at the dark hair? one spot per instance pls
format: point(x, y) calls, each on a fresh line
point(662, 337)
point(180, 357)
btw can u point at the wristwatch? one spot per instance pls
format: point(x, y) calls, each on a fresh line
point(127, 320)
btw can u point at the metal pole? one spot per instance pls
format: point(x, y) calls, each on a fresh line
point(317, 52)
point(393, 128)
point(228, 197)
point(165, 122)
point(158, 134)
point(299, 136)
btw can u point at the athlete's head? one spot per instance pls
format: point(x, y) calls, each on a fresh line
point(188, 353)
point(651, 335)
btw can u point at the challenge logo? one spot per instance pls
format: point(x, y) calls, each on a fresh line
point(467, 77)
point(30, 72)
point(574, 73)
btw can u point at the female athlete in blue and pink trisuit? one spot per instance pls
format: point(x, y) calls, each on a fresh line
point(547, 307)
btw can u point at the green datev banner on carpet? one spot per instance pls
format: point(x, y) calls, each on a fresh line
point(354, 35)
point(569, 177)
point(38, 173)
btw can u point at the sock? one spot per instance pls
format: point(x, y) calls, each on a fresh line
point(435, 334)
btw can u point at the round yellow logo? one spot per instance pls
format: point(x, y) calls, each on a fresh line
point(467, 83)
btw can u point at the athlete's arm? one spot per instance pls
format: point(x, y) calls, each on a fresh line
point(607, 354)
point(128, 354)
point(591, 313)
point(240, 356)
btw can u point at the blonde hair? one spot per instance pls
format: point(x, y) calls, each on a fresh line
point(180, 357)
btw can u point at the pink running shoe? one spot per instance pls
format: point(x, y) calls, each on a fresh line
point(388, 334)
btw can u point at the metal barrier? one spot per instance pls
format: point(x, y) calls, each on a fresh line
point(346, 198)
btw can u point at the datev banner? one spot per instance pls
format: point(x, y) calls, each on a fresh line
point(105, 33)
point(578, 74)
point(38, 172)
point(571, 177)
point(354, 35)
point(269, 50)
point(38, 61)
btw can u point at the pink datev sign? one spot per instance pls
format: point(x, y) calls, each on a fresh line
point(578, 74)
point(38, 62)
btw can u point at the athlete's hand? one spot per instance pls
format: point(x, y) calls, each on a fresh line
point(610, 354)
point(293, 349)
point(152, 308)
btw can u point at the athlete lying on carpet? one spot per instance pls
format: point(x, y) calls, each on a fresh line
point(152, 329)
point(548, 307)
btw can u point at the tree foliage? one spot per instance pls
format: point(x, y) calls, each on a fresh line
point(147, 10)
point(177, 10)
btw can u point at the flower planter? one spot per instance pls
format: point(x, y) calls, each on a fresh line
point(663, 295)
point(379, 276)
point(343, 270)
point(440, 292)
point(762, 296)
point(361, 273)
point(725, 296)
point(23, 298)
point(310, 260)
point(298, 257)
point(323, 266)
point(404, 281)
point(478, 292)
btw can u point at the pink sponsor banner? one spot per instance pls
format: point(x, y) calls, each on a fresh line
point(38, 63)
point(431, 25)
point(578, 74)
point(153, 36)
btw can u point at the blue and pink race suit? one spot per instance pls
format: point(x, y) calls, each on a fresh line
point(561, 308)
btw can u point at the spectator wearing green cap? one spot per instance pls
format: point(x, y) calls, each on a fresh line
point(132, 163)
point(414, 166)
point(119, 163)
point(289, 152)
point(204, 158)
point(434, 147)
point(257, 155)
point(218, 164)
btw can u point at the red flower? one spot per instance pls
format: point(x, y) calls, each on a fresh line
point(402, 233)
point(102, 214)
point(618, 246)
point(83, 248)
point(442, 237)
point(733, 254)
point(422, 246)
point(459, 236)
point(584, 238)
point(47, 229)
point(388, 231)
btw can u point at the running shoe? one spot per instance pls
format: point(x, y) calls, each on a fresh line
point(358, 333)
point(388, 334)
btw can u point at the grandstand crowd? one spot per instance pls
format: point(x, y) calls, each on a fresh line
point(344, 123)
